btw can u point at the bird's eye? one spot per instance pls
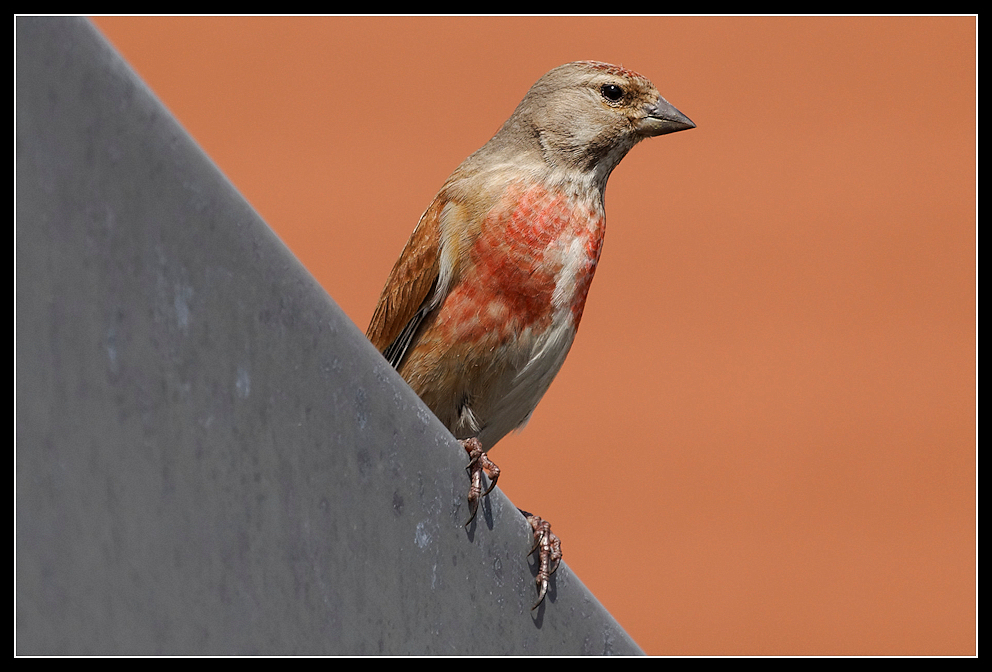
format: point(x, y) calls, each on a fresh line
point(612, 92)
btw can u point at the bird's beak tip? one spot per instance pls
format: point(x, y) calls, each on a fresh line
point(662, 117)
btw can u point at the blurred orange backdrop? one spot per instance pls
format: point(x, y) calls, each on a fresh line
point(764, 438)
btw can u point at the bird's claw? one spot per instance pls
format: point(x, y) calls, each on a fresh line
point(548, 547)
point(478, 462)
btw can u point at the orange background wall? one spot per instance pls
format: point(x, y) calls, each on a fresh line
point(764, 439)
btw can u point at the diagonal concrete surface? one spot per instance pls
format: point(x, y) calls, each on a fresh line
point(210, 457)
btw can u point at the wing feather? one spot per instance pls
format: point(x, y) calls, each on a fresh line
point(428, 267)
point(409, 292)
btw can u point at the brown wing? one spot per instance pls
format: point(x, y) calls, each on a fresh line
point(408, 289)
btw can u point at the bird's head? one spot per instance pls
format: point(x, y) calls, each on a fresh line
point(587, 115)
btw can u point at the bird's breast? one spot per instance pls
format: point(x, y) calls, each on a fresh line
point(530, 268)
point(487, 355)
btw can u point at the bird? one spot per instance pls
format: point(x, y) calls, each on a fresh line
point(483, 304)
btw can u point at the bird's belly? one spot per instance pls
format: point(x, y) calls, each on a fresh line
point(492, 349)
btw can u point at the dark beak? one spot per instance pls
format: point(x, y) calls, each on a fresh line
point(662, 118)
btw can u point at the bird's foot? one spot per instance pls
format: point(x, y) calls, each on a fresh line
point(478, 462)
point(548, 548)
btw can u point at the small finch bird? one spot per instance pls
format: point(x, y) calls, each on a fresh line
point(482, 306)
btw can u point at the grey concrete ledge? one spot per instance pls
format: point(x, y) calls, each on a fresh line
point(210, 457)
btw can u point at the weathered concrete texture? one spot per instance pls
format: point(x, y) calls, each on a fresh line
point(211, 459)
